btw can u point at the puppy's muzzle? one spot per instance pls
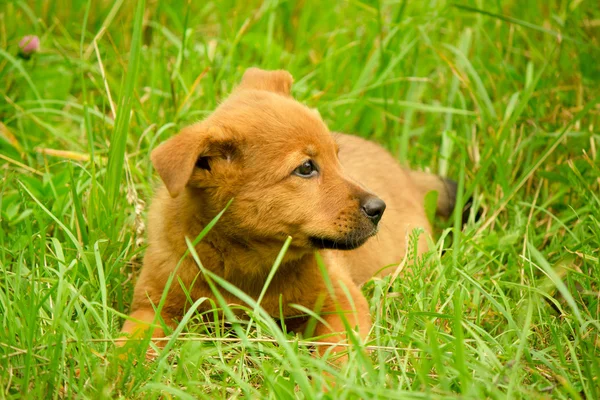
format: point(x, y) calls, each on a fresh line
point(373, 208)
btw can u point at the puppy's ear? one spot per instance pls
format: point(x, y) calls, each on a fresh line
point(175, 159)
point(278, 81)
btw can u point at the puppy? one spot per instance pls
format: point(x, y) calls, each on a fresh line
point(288, 175)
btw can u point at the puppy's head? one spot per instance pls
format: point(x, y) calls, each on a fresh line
point(279, 162)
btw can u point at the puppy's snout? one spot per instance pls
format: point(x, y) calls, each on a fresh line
point(373, 207)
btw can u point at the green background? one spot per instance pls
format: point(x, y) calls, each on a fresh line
point(499, 95)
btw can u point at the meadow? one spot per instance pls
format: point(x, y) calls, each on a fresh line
point(502, 96)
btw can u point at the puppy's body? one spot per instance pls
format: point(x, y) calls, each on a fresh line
point(288, 176)
point(298, 280)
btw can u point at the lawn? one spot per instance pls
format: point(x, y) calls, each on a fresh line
point(502, 96)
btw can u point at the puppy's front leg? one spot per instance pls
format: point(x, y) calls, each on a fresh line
point(337, 307)
point(140, 322)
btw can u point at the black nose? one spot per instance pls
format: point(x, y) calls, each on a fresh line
point(373, 207)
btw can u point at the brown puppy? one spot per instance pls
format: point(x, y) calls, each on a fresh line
point(288, 176)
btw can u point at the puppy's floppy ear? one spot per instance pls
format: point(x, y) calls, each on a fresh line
point(175, 159)
point(278, 81)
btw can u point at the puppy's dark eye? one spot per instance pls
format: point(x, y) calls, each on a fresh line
point(307, 169)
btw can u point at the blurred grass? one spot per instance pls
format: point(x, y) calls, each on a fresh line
point(502, 96)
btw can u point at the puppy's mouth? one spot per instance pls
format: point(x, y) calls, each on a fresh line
point(346, 243)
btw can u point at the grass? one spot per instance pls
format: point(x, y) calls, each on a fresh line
point(498, 95)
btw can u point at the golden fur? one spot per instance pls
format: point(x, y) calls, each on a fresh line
point(249, 149)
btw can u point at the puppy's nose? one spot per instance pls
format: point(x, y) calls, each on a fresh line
point(373, 207)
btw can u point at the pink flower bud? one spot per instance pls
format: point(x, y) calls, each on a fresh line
point(29, 45)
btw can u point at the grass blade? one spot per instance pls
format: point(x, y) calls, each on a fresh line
point(116, 154)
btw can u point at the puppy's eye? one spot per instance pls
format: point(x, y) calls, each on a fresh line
point(307, 169)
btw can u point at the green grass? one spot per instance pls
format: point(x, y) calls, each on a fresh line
point(500, 95)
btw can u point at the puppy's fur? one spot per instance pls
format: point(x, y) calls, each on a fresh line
point(288, 176)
